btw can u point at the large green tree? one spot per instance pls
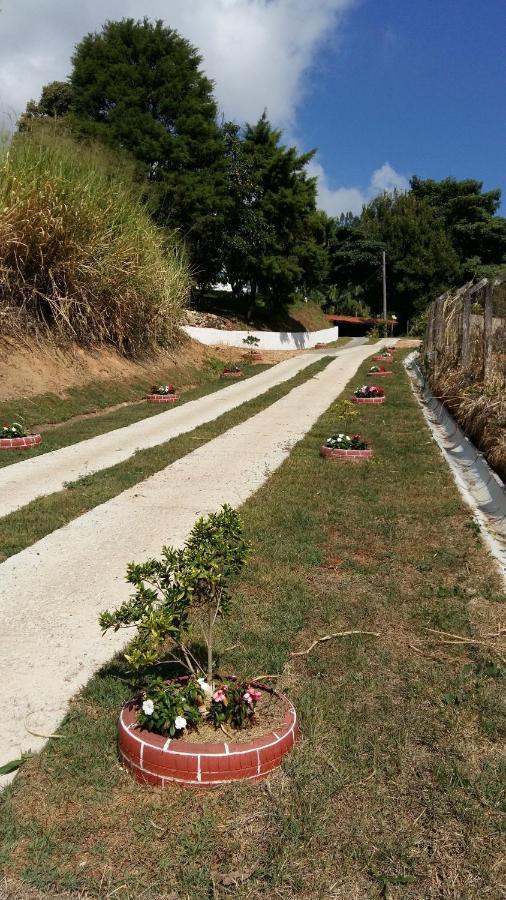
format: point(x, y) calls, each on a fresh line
point(421, 261)
point(469, 217)
point(273, 244)
point(54, 103)
point(139, 86)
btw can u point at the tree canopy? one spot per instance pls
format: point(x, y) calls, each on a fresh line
point(273, 242)
point(244, 202)
point(139, 86)
point(469, 218)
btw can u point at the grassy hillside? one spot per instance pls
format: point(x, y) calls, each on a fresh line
point(79, 256)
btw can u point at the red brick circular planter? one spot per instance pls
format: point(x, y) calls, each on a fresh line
point(336, 453)
point(162, 398)
point(374, 400)
point(253, 357)
point(320, 346)
point(231, 375)
point(20, 443)
point(383, 359)
point(380, 374)
point(153, 759)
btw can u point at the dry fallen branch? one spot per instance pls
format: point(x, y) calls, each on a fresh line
point(42, 734)
point(329, 637)
point(457, 639)
point(440, 657)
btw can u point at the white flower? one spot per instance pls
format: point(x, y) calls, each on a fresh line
point(204, 686)
point(148, 707)
point(180, 722)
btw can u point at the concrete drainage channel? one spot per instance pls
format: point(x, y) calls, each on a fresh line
point(478, 484)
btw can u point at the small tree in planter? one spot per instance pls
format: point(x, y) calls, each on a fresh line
point(252, 343)
point(187, 587)
point(175, 597)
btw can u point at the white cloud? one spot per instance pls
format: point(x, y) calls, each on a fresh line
point(351, 199)
point(257, 51)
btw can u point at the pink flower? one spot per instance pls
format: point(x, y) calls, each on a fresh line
point(252, 695)
point(219, 696)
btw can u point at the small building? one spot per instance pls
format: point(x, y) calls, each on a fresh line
point(357, 326)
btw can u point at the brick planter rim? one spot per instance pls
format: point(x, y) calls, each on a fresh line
point(380, 374)
point(383, 358)
point(157, 760)
point(338, 453)
point(374, 400)
point(20, 443)
point(162, 398)
point(231, 375)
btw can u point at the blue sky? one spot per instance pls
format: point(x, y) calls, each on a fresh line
point(420, 84)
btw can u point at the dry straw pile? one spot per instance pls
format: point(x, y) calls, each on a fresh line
point(80, 258)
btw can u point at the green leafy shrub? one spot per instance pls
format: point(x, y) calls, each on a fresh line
point(188, 587)
point(80, 258)
point(171, 708)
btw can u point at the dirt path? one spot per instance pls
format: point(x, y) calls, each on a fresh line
point(24, 481)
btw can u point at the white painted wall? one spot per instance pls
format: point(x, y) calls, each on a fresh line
point(268, 340)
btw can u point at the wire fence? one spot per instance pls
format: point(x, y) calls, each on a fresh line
point(465, 362)
point(466, 329)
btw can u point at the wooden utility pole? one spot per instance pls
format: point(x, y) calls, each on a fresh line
point(385, 293)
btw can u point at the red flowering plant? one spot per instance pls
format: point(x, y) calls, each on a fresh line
point(12, 430)
point(233, 703)
point(163, 389)
point(368, 392)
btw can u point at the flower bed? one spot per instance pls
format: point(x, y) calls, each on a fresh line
point(231, 372)
point(160, 760)
point(344, 446)
point(164, 393)
point(172, 730)
point(14, 437)
point(369, 394)
point(383, 357)
point(252, 356)
point(379, 371)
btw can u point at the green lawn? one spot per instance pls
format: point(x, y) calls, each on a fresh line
point(396, 790)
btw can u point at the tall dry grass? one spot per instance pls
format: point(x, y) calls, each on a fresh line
point(80, 258)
